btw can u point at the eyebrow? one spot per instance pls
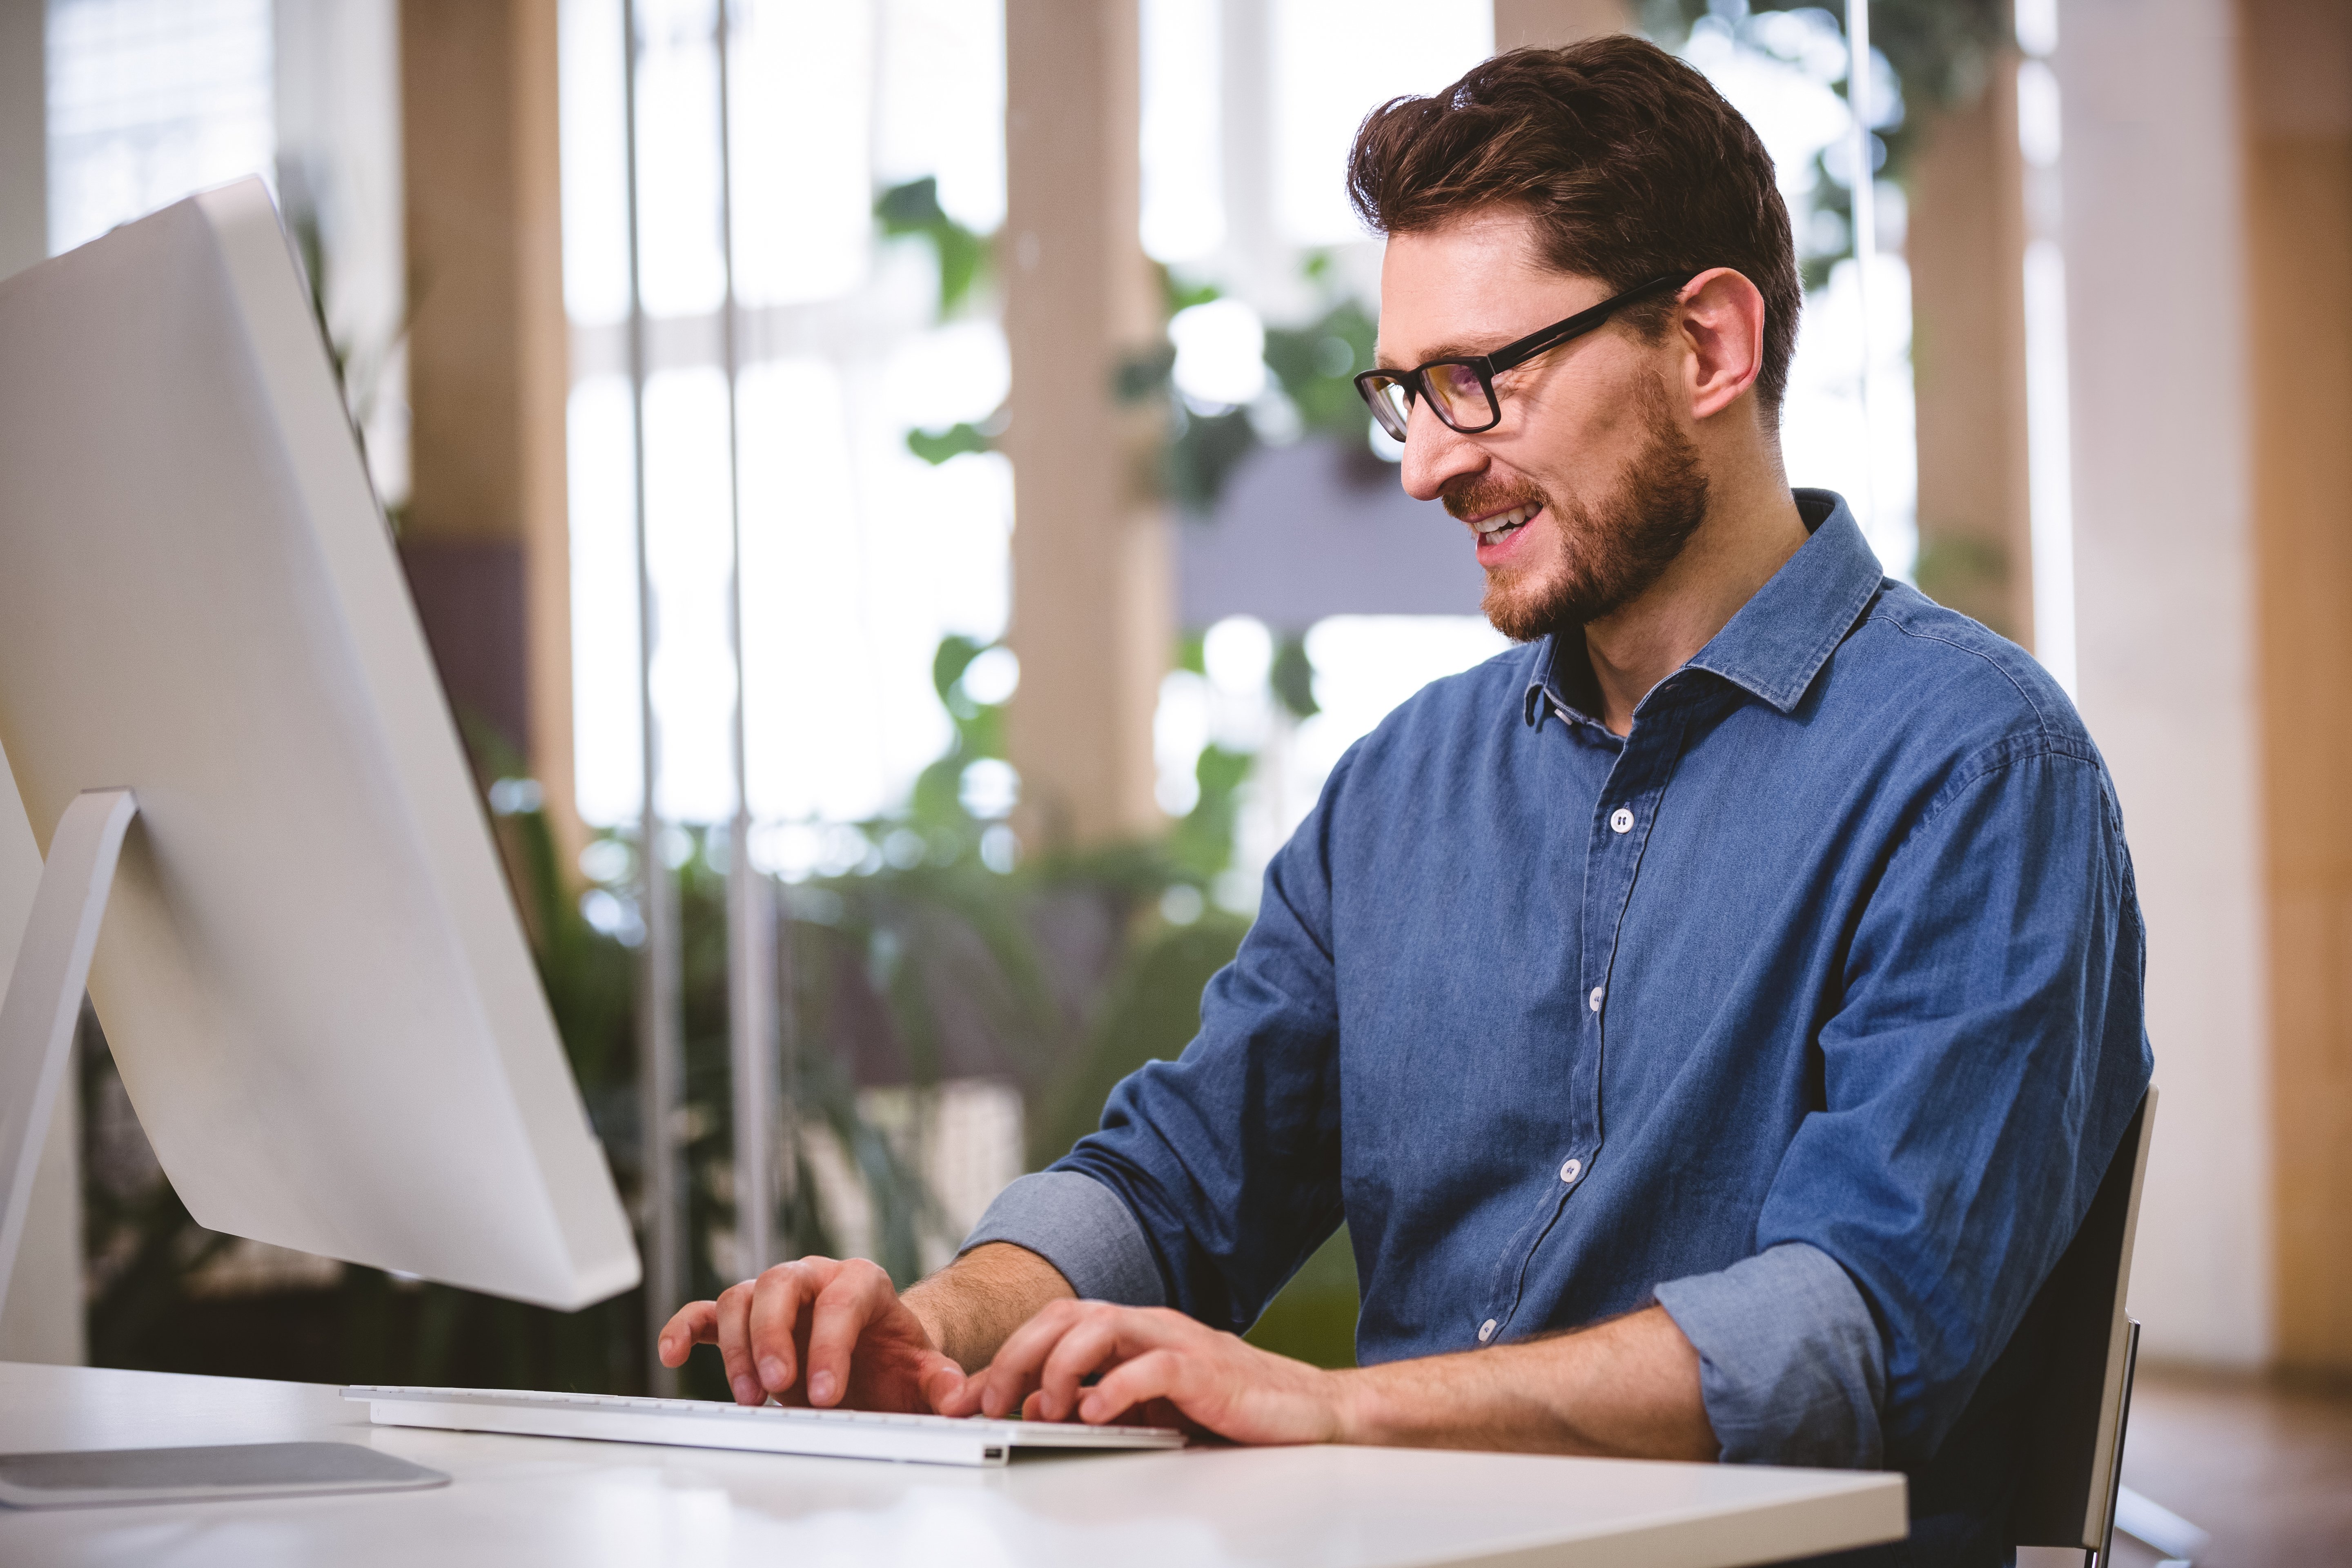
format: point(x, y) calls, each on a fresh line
point(1458, 350)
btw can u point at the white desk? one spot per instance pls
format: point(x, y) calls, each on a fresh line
point(518, 1500)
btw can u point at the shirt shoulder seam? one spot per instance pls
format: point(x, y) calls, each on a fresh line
point(2040, 718)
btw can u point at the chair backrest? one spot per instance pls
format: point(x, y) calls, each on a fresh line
point(2075, 1435)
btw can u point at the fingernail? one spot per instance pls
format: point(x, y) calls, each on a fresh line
point(820, 1389)
point(746, 1390)
point(772, 1373)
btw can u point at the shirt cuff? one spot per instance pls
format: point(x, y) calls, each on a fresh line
point(1790, 1363)
point(1082, 1228)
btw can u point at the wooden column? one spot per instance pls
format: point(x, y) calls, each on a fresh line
point(1093, 617)
point(2166, 618)
point(1967, 251)
point(485, 537)
point(2297, 55)
point(1548, 23)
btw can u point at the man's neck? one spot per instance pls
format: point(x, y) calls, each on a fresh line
point(1750, 531)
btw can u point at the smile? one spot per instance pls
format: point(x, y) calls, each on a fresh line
point(1503, 524)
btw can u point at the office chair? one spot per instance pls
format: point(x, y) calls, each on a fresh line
point(2073, 1472)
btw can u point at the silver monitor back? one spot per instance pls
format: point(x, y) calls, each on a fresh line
point(312, 973)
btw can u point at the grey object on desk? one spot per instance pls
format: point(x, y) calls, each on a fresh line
point(106, 1477)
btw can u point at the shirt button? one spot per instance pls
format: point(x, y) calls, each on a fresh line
point(1593, 1001)
point(1621, 820)
point(1486, 1331)
point(1571, 1170)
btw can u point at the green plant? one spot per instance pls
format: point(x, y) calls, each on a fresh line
point(1940, 52)
point(1316, 365)
point(963, 260)
point(1311, 370)
point(913, 210)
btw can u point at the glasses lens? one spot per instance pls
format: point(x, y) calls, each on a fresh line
point(1392, 403)
point(1459, 396)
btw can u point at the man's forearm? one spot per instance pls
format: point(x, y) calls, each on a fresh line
point(972, 1306)
point(1629, 1387)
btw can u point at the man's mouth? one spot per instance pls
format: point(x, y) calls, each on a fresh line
point(1503, 524)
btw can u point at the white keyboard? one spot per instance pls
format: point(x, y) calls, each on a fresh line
point(768, 1428)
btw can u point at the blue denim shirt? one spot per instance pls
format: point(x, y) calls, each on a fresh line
point(1810, 1009)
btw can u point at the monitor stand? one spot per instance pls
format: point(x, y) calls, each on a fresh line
point(43, 1000)
point(37, 1027)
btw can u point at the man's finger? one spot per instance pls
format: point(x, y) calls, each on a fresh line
point(940, 1381)
point(777, 1296)
point(735, 1344)
point(696, 1323)
point(1091, 1342)
point(1013, 1373)
point(858, 1293)
point(1155, 1374)
point(962, 1398)
point(734, 1340)
point(1097, 1334)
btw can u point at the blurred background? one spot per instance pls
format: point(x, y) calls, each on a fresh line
point(881, 483)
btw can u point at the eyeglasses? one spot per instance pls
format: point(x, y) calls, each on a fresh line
point(1461, 392)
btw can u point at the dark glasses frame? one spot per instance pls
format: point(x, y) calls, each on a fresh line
point(1372, 385)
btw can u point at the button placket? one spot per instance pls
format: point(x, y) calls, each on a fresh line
point(1612, 860)
point(1644, 763)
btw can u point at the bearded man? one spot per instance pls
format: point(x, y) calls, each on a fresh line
point(1710, 1019)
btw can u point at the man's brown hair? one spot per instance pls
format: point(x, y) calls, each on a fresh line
point(1631, 164)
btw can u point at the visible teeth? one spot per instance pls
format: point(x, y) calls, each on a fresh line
point(1501, 524)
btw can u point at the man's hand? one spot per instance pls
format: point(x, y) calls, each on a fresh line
point(839, 1322)
point(1629, 1387)
point(823, 1332)
point(1159, 1368)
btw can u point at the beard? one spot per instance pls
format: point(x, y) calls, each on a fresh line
point(1608, 551)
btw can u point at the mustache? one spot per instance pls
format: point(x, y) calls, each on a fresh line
point(1483, 498)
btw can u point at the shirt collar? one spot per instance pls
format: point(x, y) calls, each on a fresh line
point(1776, 642)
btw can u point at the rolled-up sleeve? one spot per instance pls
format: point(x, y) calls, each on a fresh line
point(1791, 1365)
point(1083, 1229)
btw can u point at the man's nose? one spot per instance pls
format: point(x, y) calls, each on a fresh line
point(1435, 453)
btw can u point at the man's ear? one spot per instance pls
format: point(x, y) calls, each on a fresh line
point(1722, 322)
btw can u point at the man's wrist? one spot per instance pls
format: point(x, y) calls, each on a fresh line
point(971, 1306)
point(923, 1299)
point(1354, 1400)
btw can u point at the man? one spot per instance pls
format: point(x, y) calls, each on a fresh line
point(1710, 1019)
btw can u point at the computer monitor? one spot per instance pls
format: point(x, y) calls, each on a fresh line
point(310, 972)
